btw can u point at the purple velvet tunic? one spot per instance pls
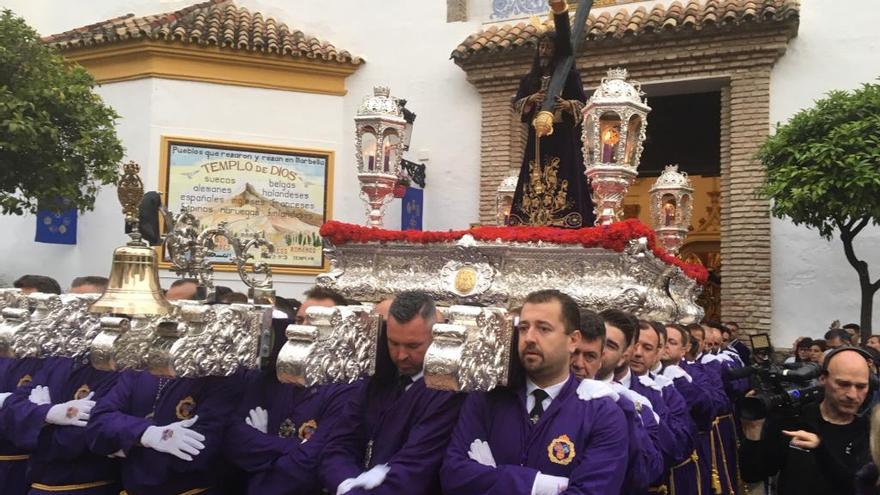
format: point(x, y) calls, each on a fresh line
point(278, 462)
point(14, 374)
point(408, 431)
point(59, 454)
point(645, 463)
point(585, 441)
point(138, 400)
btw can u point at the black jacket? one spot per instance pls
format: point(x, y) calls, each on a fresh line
point(829, 469)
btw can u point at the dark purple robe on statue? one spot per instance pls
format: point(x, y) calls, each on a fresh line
point(14, 373)
point(585, 441)
point(139, 400)
point(552, 190)
point(59, 454)
point(407, 431)
point(278, 462)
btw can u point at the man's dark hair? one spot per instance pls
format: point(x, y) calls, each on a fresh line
point(233, 297)
point(820, 344)
point(40, 283)
point(181, 281)
point(95, 280)
point(318, 293)
point(221, 291)
point(288, 306)
point(685, 334)
point(852, 326)
point(714, 324)
point(696, 327)
point(626, 322)
point(657, 327)
point(805, 343)
point(592, 327)
point(571, 318)
point(409, 304)
point(836, 332)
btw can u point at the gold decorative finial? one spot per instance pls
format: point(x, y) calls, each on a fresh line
point(130, 190)
point(543, 123)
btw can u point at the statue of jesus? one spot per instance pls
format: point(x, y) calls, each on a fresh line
point(552, 189)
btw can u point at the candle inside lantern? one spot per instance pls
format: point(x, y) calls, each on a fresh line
point(610, 137)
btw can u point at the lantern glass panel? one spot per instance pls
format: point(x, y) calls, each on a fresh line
point(609, 136)
point(633, 130)
point(368, 148)
point(505, 202)
point(390, 150)
point(685, 199)
point(668, 209)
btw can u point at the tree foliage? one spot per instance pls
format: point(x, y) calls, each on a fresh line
point(57, 137)
point(823, 166)
point(823, 171)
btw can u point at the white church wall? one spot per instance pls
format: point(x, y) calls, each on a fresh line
point(812, 282)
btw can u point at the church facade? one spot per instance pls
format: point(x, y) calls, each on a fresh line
point(266, 72)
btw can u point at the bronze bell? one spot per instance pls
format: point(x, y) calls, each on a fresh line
point(134, 287)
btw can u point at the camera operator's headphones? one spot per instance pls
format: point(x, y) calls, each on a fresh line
point(873, 381)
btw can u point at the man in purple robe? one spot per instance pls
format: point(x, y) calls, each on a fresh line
point(722, 448)
point(645, 463)
point(14, 374)
point(280, 429)
point(542, 437)
point(690, 380)
point(392, 435)
point(47, 418)
point(168, 432)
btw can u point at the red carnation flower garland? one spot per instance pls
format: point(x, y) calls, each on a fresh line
point(615, 237)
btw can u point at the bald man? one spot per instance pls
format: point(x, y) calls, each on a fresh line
point(821, 450)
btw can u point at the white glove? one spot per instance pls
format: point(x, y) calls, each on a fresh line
point(258, 418)
point(549, 485)
point(482, 453)
point(366, 480)
point(663, 381)
point(374, 477)
point(176, 439)
point(594, 389)
point(674, 371)
point(638, 399)
point(40, 395)
point(119, 453)
point(3, 397)
point(71, 413)
point(648, 382)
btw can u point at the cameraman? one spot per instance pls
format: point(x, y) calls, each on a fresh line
point(820, 451)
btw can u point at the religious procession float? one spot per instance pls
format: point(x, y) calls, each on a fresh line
point(479, 276)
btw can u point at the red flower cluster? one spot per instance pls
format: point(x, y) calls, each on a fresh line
point(615, 237)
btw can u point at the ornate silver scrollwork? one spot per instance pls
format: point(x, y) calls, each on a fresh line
point(471, 352)
point(29, 340)
point(337, 345)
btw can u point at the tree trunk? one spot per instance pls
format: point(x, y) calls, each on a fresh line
point(848, 232)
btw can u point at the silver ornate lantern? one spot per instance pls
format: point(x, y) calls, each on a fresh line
point(671, 207)
point(504, 198)
point(381, 130)
point(615, 118)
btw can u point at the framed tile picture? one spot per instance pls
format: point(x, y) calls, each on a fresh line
point(283, 192)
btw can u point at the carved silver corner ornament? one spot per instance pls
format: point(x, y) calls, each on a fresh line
point(471, 352)
point(336, 345)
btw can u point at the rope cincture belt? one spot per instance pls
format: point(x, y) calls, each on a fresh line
point(68, 488)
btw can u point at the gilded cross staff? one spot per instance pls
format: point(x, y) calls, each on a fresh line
point(543, 121)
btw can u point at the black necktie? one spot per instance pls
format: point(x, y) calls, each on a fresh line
point(403, 381)
point(538, 408)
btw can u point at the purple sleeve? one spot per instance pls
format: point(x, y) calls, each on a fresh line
point(110, 429)
point(298, 466)
point(24, 420)
point(345, 447)
point(251, 449)
point(646, 461)
point(215, 413)
point(68, 442)
point(680, 423)
point(698, 400)
point(414, 467)
point(603, 468)
point(462, 475)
